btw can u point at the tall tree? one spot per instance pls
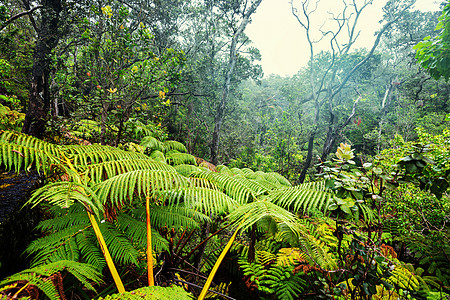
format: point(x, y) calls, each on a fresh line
point(327, 86)
point(241, 13)
point(48, 36)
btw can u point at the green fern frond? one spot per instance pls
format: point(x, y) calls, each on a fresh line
point(236, 171)
point(136, 230)
point(119, 246)
point(224, 170)
point(206, 200)
point(289, 256)
point(280, 178)
point(89, 250)
point(174, 145)
point(158, 156)
point(304, 197)
point(234, 188)
point(181, 159)
point(186, 170)
point(177, 217)
point(19, 157)
point(21, 139)
point(38, 276)
point(265, 257)
point(52, 247)
point(248, 214)
point(83, 156)
point(258, 188)
point(152, 293)
point(152, 143)
point(102, 171)
point(124, 187)
point(64, 194)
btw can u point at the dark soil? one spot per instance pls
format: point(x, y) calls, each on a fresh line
point(17, 223)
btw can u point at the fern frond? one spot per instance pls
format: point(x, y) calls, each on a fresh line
point(119, 246)
point(234, 188)
point(102, 171)
point(177, 217)
point(158, 156)
point(152, 143)
point(38, 276)
point(248, 214)
point(186, 170)
point(19, 157)
point(174, 145)
point(289, 256)
point(136, 231)
point(124, 187)
point(64, 194)
point(304, 197)
point(82, 155)
point(181, 159)
point(206, 200)
point(280, 178)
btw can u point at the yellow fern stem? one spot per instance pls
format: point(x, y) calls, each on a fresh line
point(108, 258)
point(151, 281)
point(216, 266)
point(101, 240)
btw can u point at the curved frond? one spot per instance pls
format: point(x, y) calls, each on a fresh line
point(124, 187)
point(186, 170)
point(304, 197)
point(174, 145)
point(119, 246)
point(181, 159)
point(66, 193)
point(83, 155)
point(152, 143)
point(280, 178)
point(234, 188)
point(158, 156)
point(102, 171)
point(206, 200)
point(136, 231)
point(251, 213)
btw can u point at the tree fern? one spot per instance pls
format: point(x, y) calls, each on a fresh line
point(180, 159)
point(174, 145)
point(152, 144)
point(39, 276)
point(248, 214)
point(64, 194)
point(234, 188)
point(186, 170)
point(302, 198)
point(207, 200)
point(122, 188)
point(102, 171)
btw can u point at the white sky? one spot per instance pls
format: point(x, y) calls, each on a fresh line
point(282, 42)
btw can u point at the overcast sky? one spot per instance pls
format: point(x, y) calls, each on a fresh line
point(282, 42)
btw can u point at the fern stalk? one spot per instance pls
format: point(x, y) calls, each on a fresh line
point(151, 281)
point(217, 265)
point(101, 240)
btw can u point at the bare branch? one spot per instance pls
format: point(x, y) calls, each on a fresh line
point(24, 13)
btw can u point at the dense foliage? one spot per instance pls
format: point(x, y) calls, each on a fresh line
point(170, 169)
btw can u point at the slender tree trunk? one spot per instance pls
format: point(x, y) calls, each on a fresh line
point(39, 102)
point(218, 119)
point(308, 157)
point(103, 123)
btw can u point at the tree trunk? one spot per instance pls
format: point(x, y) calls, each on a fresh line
point(308, 157)
point(218, 119)
point(39, 102)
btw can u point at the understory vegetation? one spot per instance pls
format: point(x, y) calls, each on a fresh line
point(165, 166)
